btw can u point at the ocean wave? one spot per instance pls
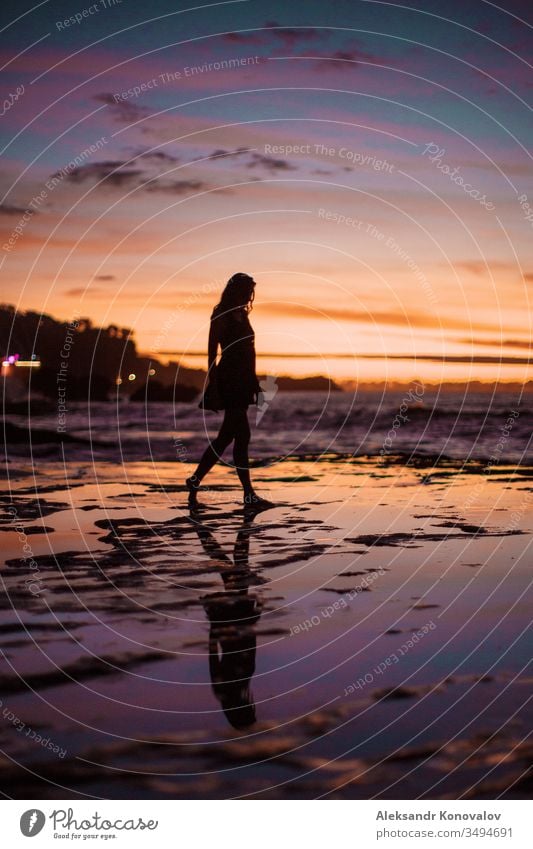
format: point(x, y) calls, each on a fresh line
point(296, 425)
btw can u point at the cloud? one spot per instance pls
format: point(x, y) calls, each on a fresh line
point(83, 290)
point(175, 187)
point(255, 160)
point(258, 160)
point(349, 57)
point(374, 317)
point(111, 173)
point(11, 209)
point(481, 267)
point(303, 43)
point(244, 37)
point(339, 58)
point(123, 111)
point(289, 37)
point(525, 344)
point(221, 153)
point(159, 156)
point(105, 277)
point(474, 266)
point(117, 174)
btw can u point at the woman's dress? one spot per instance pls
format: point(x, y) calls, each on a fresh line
point(233, 383)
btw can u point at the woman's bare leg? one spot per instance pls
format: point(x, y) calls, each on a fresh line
point(235, 427)
point(212, 454)
point(240, 450)
point(241, 461)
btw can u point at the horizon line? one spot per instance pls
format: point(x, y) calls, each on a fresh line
point(438, 358)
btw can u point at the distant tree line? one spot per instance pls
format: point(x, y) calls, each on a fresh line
point(88, 360)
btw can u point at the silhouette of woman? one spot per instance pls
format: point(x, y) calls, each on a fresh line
point(232, 385)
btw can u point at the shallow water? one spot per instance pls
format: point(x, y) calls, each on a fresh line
point(365, 637)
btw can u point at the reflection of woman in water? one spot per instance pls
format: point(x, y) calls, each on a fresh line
point(232, 384)
point(232, 615)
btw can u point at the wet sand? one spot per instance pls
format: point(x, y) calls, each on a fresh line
point(365, 638)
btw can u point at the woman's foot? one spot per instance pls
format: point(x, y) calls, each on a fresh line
point(253, 501)
point(193, 485)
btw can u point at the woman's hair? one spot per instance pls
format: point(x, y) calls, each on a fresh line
point(238, 293)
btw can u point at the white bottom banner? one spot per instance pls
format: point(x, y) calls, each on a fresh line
point(226, 824)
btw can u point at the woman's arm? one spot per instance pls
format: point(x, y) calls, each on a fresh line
point(212, 348)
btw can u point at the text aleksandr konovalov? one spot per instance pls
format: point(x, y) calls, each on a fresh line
point(432, 815)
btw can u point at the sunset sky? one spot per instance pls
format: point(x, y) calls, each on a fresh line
point(318, 146)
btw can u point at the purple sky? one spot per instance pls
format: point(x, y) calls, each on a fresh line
point(367, 162)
